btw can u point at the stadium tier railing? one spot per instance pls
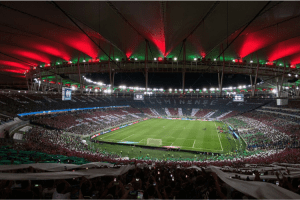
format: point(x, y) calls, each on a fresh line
point(231, 176)
point(17, 126)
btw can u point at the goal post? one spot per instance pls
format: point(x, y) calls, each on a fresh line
point(154, 142)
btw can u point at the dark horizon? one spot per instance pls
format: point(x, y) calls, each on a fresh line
point(172, 80)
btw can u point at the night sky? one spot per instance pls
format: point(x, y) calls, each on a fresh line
point(172, 80)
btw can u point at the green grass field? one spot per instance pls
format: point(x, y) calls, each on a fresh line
point(188, 135)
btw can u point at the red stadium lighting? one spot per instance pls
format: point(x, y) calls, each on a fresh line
point(160, 59)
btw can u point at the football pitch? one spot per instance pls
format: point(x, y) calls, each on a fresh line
point(199, 136)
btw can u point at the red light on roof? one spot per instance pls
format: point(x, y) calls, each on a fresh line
point(293, 66)
point(160, 58)
point(94, 60)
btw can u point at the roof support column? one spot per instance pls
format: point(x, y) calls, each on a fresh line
point(184, 63)
point(61, 85)
point(277, 81)
point(282, 77)
point(183, 80)
point(40, 83)
point(110, 70)
point(27, 79)
point(221, 81)
point(112, 83)
point(56, 79)
point(255, 80)
point(146, 66)
point(79, 75)
point(297, 90)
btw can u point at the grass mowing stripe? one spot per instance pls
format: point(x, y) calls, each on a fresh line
point(189, 135)
point(218, 136)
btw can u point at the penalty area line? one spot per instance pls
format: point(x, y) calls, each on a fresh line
point(127, 137)
point(219, 136)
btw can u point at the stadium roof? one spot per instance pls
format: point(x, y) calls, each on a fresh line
point(40, 33)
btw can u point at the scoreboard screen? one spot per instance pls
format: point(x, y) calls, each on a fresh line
point(238, 98)
point(66, 94)
point(138, 97)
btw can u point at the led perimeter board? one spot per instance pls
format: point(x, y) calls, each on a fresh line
point(66, 94)
point(138, 96)
point(238, 98)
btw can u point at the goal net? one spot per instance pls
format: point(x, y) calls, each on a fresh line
point(154, 142)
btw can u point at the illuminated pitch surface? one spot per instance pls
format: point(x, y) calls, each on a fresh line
point(189, 135)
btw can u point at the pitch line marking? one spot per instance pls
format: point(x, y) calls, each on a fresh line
point(203, 149)
point(127, 137)
point(218, 136)
point(110, 134)
point(141, 140)
point(194, 143)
